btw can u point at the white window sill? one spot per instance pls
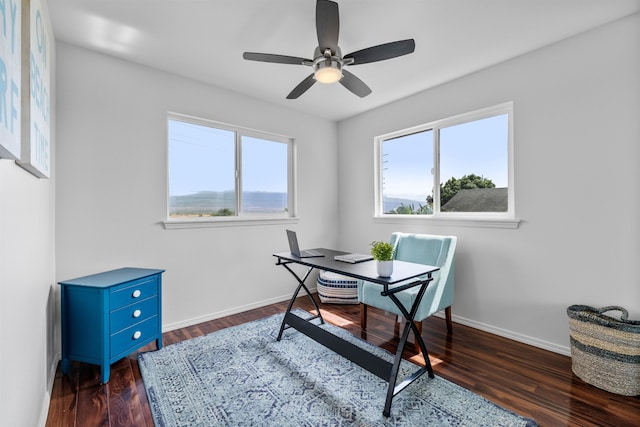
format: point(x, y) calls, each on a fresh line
point(480, 222)
point(174, 224)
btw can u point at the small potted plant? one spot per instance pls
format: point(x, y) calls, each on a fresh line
point(383, 253)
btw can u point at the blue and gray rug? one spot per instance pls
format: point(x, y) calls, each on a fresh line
point(242, 376)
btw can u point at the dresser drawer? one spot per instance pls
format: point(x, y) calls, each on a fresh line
point(131, 314)
point(134, 337)
point(134, 291)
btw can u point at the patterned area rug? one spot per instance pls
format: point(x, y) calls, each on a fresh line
point(242, 376)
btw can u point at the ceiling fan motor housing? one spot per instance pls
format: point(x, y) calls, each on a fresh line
point(327, 68)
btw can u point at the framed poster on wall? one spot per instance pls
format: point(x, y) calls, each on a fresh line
point(10, 77)
point(37, 40)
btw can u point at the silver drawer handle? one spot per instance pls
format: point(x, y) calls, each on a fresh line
point(137, 313)
point(136, 293)
point(136, 335)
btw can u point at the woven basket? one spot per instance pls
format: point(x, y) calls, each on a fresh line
point(605, 351)
point(337, 289)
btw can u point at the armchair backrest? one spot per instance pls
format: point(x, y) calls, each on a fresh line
point(433, 250)
point(422, 248)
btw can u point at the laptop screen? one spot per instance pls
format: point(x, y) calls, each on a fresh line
point(293, 243)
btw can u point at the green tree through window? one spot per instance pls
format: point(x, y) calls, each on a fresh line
point(467, 182)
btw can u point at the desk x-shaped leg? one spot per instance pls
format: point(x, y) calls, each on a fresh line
point(301, 285)
point(379, 366)
point(409, 324)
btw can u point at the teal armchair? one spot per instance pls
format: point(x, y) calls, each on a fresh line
point(426, 249)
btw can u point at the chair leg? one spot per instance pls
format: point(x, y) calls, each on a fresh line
point(447, 315)
point(363, 323)
point(363, 316)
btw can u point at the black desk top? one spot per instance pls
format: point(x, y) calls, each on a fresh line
point(363, 270)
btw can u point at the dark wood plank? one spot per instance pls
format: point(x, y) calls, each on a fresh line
point(64, 398)
point(93, 401)
point(141, 413)
point(530, 381)
point(125, 408)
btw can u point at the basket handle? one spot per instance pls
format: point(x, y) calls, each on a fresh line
point(623, 316)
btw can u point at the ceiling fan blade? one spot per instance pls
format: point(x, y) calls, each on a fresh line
point(327, 25)
point(279, 59)
point(354, 84)
point(302, 87)
point(382, 52)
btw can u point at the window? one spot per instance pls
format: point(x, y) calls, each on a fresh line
point(458, 167)
point(222, 172)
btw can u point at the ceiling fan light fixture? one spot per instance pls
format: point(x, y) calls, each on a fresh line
point(328, 72)
point(328, 63)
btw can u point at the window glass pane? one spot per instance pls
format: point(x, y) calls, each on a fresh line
point(264, 176)
point(201, 170)
point(407, 182)
point(474, 166)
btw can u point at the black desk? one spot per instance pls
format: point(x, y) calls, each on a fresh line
point(402, 271)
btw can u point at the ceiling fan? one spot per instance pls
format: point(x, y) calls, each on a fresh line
point(328, 63)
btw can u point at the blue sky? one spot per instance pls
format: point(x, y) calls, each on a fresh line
point(202, 158)
point(478, 147)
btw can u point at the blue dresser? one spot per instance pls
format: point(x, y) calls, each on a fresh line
point(109, 315)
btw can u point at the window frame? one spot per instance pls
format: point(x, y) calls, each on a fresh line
point(241, 218)
point(483, 219)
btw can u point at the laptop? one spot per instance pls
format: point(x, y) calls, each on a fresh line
point(295, 249)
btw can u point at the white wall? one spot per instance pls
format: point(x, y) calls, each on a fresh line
point(28, 350)
point(112, 181)
point(577, 134)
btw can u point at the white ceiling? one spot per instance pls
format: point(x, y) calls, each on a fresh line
point(204, 40)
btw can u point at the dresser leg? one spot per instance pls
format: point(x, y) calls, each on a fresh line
point(105, 371)
point(65, 366)
point(159, 343)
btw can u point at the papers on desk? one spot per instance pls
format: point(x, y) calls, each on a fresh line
point(353, 258)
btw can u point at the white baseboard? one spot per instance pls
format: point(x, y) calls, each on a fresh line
point(228, 312)
point(44, 408)
point(535, 342)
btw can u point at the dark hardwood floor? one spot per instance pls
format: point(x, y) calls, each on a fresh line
point(530, 381)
